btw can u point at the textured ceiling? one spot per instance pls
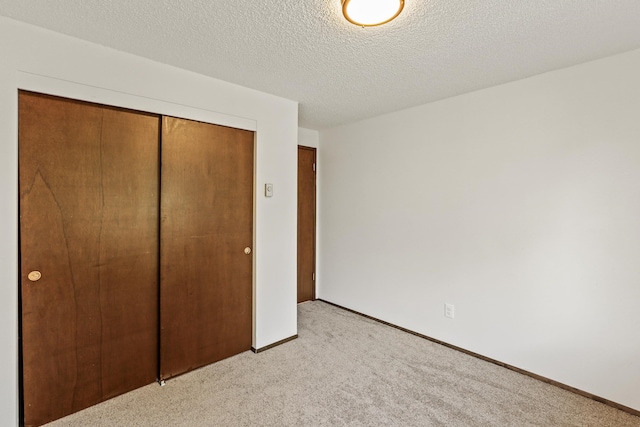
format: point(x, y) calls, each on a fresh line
point(304, 50)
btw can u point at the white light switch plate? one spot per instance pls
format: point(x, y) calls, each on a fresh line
point(268, 190)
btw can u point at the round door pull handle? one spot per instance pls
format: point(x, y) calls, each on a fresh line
point(247, 250)
point(34, 276)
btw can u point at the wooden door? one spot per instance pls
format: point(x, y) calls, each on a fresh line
point(89, 225)
point(206, 224)
point(306, 223)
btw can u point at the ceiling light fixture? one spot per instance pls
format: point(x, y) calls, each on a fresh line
point(369, 13)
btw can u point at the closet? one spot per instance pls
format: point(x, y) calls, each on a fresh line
point(135, 250)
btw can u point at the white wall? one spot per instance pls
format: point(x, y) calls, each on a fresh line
point(44, 61)
point(308, 137)
point(519, 204)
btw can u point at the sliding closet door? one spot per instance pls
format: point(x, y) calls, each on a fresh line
point(89, 253)
point(205, 250)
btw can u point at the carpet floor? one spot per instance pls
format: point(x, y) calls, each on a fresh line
point(346, 370)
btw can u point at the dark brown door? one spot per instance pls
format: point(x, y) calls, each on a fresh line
point(306, 223)
point(206, 226)
point(89, 232)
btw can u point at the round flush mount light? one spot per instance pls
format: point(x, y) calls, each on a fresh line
point(369, 13)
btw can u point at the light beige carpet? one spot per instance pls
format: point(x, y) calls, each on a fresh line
point(346, 370)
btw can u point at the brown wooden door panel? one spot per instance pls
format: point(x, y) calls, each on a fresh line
point(89, 223)
point(206, 222)
point(306, 224)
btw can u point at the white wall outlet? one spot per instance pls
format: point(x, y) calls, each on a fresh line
point(268, 190)
point(449, 311)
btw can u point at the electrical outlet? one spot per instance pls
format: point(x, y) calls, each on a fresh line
point(449, 311)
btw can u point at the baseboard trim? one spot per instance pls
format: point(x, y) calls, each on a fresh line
point(497, 362)
point(275, 344)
